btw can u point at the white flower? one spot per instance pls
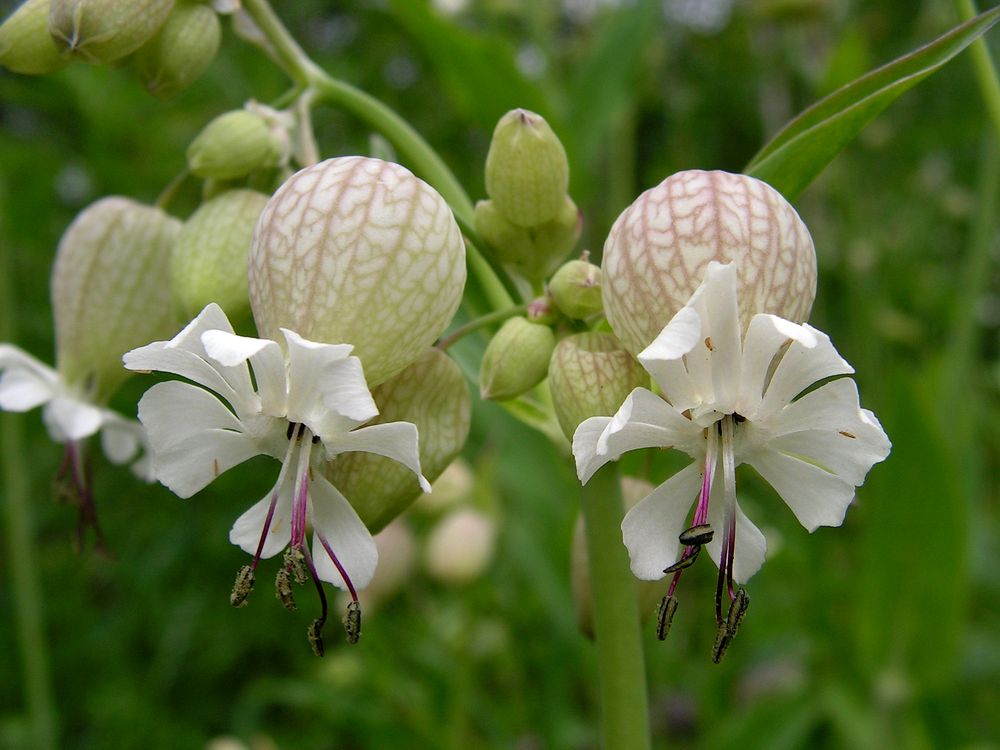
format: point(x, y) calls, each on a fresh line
point(729, 399)
point(70, 414)
point(303, 406)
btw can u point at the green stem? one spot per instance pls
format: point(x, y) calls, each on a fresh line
point(474, 325)
point(982, 62)
point(25, 586)
point(616, 617)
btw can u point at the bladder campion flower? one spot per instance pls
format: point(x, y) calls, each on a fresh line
point(729, 398)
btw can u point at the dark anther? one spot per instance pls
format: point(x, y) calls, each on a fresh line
point(685, 562)
point(665, 616)
point(315, 635)
point(722, 641)
point(738, 418)
point(295, 563)
point(283, 589)
point(697, 535)
point(242, 587)
point(315, 439)
point(290, 431)
point(352, 622)
point(737, 609)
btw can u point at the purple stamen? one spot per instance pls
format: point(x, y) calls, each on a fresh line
point(267, 527)
point(336, 563)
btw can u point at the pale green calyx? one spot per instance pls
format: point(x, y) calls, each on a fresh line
point(360, 251)
point(180, 51)
point(25, 43)
point(209, 262)
point(516, 360)
point(659, 248)
point(576, 289)
point(235, 144)
point(590, 375)
point(102, 31)
point(111, 290)
point(527, 173)
point(432, 394)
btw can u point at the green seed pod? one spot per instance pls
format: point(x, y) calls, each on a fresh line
point(25, 43)
point(432, 394)
point(209, 262)
point(576, 289)
point(181, 50)
point(357, 250)
point(659, 248)
point(233, 145)
point(527, 173)
point(110, 290)
point(516, 360)
point(102, 31)
point(589, 376)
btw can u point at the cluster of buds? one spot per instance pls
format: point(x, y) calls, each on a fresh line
point(171, 42)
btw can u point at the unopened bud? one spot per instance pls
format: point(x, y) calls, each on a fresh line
point(315, 635)
point(26, 46)
point(242, 587)
point(516, 359)
point(659, 248)
point(233, 145)
point(102, 31)
point(590, 375)
point(665, 616)
point(180, 51)
point(527, 173)
point(352, 622)
point(209, 261)
point(576, 289)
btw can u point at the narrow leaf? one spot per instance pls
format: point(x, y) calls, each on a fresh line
point(808, 143)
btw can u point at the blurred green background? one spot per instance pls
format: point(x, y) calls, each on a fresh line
point(883, 633)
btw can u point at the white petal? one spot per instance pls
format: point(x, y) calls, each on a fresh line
point(804, 363)
point(588, 460)
point(194, 437)
point(349, 539)
point(722, 346)
point(651, 528)
point(69, 419)
point(395, 440)
point(264, 355)
point(677, 338)
point(816, 497)
point(23, 389)
point(765, 337)
point(751, 547)
point(121, 439)
point(645, 420)
point(247, 530)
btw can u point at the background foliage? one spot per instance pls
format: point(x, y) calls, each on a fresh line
point(879, 634)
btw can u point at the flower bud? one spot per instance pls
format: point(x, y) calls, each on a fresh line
point(25, 43)
point(209, 262)
point(516, 360)
point(589, 376)
point(532, 253)
point(576, 289)
point(110, 290)
point(357, 250)
point(233, 145)
point(181, 50)
point(659, 248)
point(102, 31)
point(432, 394)
point(527, 173)
point(460, 547)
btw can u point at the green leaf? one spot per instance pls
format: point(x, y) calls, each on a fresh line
point(808, 143)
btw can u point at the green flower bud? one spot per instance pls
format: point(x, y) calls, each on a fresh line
point(516, 360)
point(532, 253)
point(659, 249)
point(576, 289)
point(432, 394)
point(527, 173)
point(110, 290)
point(357, 250)
point(233, 145)
point(589, 376)
point(209, 262)
point(25, 43)
point(181, 50)
point(102, 31)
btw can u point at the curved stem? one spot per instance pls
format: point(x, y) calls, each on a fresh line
point(616, 617)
